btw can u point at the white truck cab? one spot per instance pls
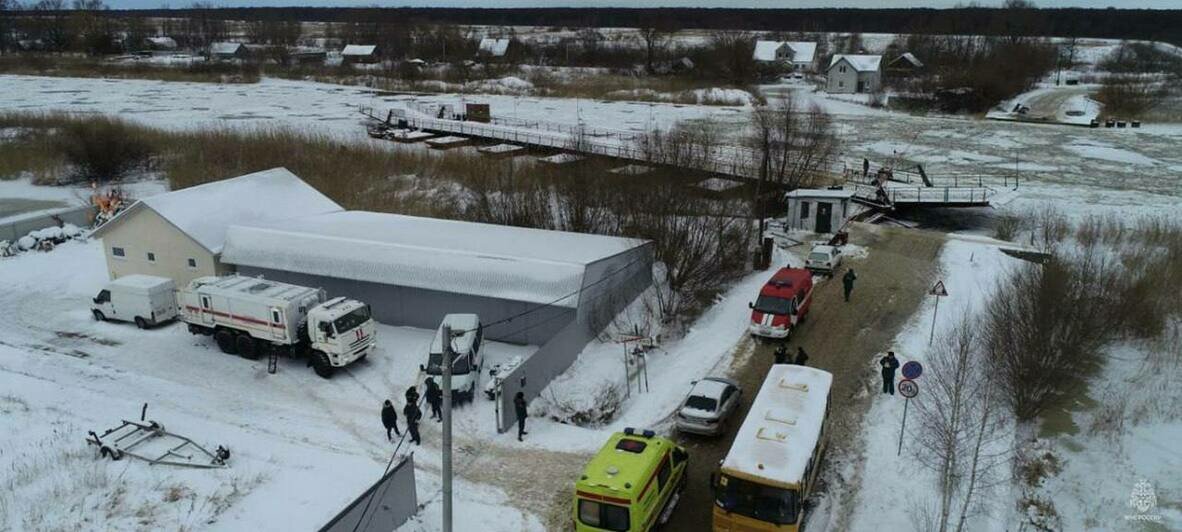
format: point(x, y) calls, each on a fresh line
point(342, 329)
point(467, 335)
point(146, 300)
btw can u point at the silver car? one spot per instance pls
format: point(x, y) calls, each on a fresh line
point(710, 402)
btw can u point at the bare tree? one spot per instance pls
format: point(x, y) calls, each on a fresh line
point(656, 32)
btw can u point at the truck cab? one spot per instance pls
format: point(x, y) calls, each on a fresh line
point(467, 336)
point(343, 329)
point(782, 303)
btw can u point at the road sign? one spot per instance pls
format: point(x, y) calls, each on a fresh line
point(938, 289)
point(912, 370)
point(908, 388)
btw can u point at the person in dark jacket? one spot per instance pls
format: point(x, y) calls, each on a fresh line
point(847, 281)
point(434, 398)
point(412, 395)
point(390, 419)
point(889, 364)
point(519, 409)
point(865, 167)
point(413, 415)
point(802, 358)
point(781, 354)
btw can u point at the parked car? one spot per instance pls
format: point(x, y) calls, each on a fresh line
point(709, 404)
point(823, 259)
point(469, 359)
point(146, 300)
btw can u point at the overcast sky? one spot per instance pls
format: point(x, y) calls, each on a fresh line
point(1150, 4)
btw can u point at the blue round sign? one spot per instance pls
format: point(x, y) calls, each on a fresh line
point(912, 370)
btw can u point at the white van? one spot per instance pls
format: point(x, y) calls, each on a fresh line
point(465, 372)
point(146, 300)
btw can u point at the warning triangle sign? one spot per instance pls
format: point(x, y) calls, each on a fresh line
point(939, 289)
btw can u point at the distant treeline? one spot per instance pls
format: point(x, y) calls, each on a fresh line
point(1162, 25)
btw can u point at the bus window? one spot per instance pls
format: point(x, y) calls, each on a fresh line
point(765, 503)
point(602, 515)
point(663, 474)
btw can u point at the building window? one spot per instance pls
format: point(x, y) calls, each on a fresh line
point(804, 210)
point(841, 69)
point(193, 263)
point(841, 84)
point(151, 257)
point(118, 252)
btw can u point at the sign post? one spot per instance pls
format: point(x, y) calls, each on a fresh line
point(938, 291)
point(908, 389)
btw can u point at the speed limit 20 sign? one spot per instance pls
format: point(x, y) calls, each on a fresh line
point(908, 388)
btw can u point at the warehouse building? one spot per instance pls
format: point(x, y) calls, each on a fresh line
point(412, 270)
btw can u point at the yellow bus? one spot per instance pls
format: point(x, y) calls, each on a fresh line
point(633, 483)
point(772, 464)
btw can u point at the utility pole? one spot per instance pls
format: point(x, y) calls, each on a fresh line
point(447, 359)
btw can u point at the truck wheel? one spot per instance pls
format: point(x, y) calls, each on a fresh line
point(98, 316)
point(225, 340)
point(321, 365)
point(246, 346)
point(141, 323)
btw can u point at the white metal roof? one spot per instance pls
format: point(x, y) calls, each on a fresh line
point(783, 425)
point(803, 52)
point(256, 287)
point(514, 263)
point(224, 48)
point(861, 63)
point(820, 193)
point(909, 58)
point(494, 47)
point(205, 211)
point(359, 50)
point(766, 50)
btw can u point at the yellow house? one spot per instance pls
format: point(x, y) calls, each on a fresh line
point(180, 234)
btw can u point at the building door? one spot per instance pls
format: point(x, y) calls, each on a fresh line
point(861, 87)
point(824, 217)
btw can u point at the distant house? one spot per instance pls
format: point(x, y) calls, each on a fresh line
point(226, 51)
point(800, 55)
point(360, 53)
point(180, 234)
point(490, 47)
point(160, 43)
point(307, 55)
point(904, 65)
point(849, 74)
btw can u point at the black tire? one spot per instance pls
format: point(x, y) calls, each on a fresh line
point(321, 365)
point(141, 323)
point(194, 329)
point(246, 346)
point(98, 315)
point(225, 340)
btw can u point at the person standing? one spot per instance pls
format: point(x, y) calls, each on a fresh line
point(520, 410)
point(802, 358)
point(847, 281)
point(412, 395)
point(434, 398)
point(889, 364)
point(413, 415)
point(390, 419)
point(865, 167)
point(781, 354)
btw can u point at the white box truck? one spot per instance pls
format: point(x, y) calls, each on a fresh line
point(146, 300)
point(250, 316)
point(467, 335)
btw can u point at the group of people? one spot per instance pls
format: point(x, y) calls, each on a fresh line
point(781, 355)
point(434, 399)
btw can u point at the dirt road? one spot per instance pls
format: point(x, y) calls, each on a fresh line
point(839, 337)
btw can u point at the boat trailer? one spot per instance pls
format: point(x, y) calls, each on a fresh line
point(131, 437)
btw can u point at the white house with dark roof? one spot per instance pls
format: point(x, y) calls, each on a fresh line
point(180, 234)
point(849, 74)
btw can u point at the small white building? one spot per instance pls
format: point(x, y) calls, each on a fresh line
point(160, 43)
point(361, 53)
point(801, 55)
point(819, 210)
point(490, 47)
point(849, 74)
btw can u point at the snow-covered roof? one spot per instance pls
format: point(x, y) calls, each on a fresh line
point(861, 63)
point(908, 58)
point(142, 282)
point(803, 52)
point(162, 42)
point(499, 261)
point(777, 439)
point(766, 50)
point(494, 47)
point(225, 48)
point(204, 212)
point(820, 193)
point(359, 50)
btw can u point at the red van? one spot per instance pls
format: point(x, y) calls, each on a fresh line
point(783, 302)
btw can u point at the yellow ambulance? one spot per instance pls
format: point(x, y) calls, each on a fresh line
point(632, 484)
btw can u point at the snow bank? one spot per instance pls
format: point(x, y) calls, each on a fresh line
point(710, 96)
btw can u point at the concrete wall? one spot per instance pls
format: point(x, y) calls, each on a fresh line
point(385, 506)
point(609, 285)
point(147, 232)
point(416, 307)
point(23, 225)
point(838, 214)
